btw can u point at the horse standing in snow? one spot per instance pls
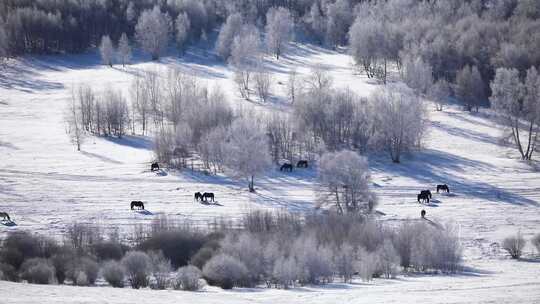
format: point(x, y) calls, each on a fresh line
point(198, 196)
point(286, 167)
point(207, 195)
point(424, 197)
point(443, 188)
point(5, 216)
point(154, 166)
point(426, 192)
point(302, 164)
point(137, 204)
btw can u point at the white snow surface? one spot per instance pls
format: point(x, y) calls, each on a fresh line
point(46, 185)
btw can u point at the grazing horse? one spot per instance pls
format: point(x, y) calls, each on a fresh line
point(426, 192)
point(154, 166)
point(423, 213)
point(286, 167)
point(137, 204)
point(5, 216)
point(424, 197)
point(207, 195)
point(443, 188)
point(198, 196)
point(302, 164)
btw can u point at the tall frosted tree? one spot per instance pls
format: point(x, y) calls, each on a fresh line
point(124, 49)
point(470, 87)
point(518, 103)
point(279, 30)
point(400, 120)
point(182, 27)
point(229, 30)
point(153, 31)
point(244, 57)
point(339, 19)
point(3, 42)
point(246, 151)
point(106, 49)
point(74, 122)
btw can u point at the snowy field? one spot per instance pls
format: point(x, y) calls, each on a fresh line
point(46, 185)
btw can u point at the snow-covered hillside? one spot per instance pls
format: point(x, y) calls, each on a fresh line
point(46, 185)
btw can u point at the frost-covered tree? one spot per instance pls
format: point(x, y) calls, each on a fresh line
point(124, 49)
point(344, 179)
point(153, 31)
point(279, 30)
point(316, 22)
point(74, 123)
point(245, 56)
point(470, 87)
point(440, 91)
point(182, 28)
point(229, 30)
point(339, 19)
point(417, 74)
point(518, 103)
point(294, 86)
point(263, 81)
point(106, 49)
point(400, 120)
point(246, 151)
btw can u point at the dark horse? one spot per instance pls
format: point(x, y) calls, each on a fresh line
point(424, 197)
point(443, 188)
point(207, 195)
point(423, 213)
point(198, 196)
point(137, 204)
point(426, 192)
point(286, 167)
point(5, 216)
point(154, 166)
point(302, 164)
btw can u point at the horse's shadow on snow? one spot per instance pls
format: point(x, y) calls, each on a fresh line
point(8, 223)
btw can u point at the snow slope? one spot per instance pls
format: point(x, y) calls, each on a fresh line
point(45, 184)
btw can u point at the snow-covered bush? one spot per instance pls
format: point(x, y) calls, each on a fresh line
point(536, 242)
point(108, 251)
point(8, 273)
point(202, 256)
point(138, 267)
point(404, 241)
point(285, 272)
point(113, 272)
point(314, 262)
point(367, 265)
point(86, 265)
point(161, 270)
point(225, 271)
point(436, 248)
point(344, 261)
point(177, 245)
point(248, 249)
point(37, 271)
point(188, 278)
point(62, 262)
point(514, 245)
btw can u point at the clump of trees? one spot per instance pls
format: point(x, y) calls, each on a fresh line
point(514, 245)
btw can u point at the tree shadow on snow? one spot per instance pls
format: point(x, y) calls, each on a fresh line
point(434, 167)
point(133, 141)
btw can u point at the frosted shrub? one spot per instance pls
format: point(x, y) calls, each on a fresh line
point(86, 265)
point(161, 269)
point(536, 242)
point(314, 262)
point(285, 272)
point(248, 249)
point(113, 272)
point(403, 242)
point(344, 261)
point(225, 271)
point(81, 279)
point(188, 278)
point(138, 266)
point(367, 265)
point(514, 245)
point(388, 260)
point(38, 271)
point(436, 249)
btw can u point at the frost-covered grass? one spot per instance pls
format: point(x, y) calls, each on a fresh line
point(45, 185)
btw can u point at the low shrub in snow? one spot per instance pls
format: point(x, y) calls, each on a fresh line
point(177, 245)
point(37, 271)
point(8, 273)
point(225, 271)
point(113, 272)
point(188, 278)
point(161, 270)
point(514, 245)
point(85, 265)
point(108, 251)
point(138, 267)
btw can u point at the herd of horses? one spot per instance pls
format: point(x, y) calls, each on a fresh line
point(425, 195)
